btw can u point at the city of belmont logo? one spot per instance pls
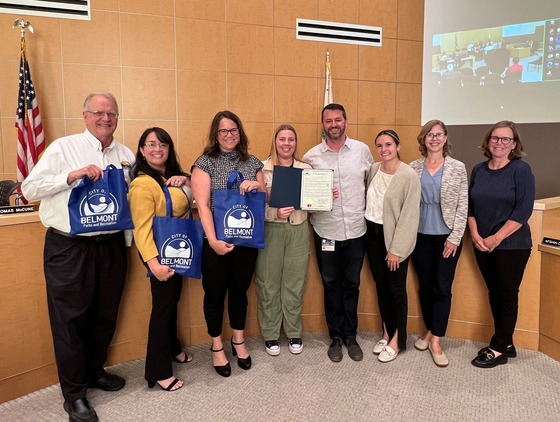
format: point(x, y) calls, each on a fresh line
point(239, 222)
point(177, 251)
point(97, 209)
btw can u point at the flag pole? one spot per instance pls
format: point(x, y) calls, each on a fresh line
point(328, 87)
point(328, 81)
point(29, 128)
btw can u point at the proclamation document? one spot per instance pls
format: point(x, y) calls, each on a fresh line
point(316, 189)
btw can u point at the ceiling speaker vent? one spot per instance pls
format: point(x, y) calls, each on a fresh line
point(338, 32)
point(68, 9)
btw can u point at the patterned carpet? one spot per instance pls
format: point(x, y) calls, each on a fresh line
point(308, 387)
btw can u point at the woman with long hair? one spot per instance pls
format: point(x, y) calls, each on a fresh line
point(157, 166)
point(281, 269)
point(226, 269)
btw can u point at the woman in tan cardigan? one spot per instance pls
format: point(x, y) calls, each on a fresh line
point(392, 212)
point(281, 268)
point(443, 218)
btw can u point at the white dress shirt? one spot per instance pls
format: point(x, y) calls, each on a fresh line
point(351, 165)
point(47, 180)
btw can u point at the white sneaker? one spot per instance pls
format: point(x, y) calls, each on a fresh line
point(296, 345)
point(387, 354)
point(378, 348)
point(272, 347)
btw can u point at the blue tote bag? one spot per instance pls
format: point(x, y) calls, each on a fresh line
point(178, 240)
point(239, 219)
point(101, 205)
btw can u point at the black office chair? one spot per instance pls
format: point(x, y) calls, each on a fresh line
point(537, 63)
point(7, 189)
point(513, 77)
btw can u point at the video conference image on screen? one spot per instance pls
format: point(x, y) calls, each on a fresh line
point(482, 65)
point(519, 53)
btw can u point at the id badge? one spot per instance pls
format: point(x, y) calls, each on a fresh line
point(327, 245)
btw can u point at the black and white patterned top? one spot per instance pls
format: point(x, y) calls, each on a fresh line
point(219, 168)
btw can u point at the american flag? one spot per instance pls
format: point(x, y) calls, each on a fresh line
point(31, 138)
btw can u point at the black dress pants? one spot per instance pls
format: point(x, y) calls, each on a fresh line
point(85, 280)
point(163, 343)
point(340, 274)
point(435, 279)
point(232, 274)
point(502, 271)
point(392, 298)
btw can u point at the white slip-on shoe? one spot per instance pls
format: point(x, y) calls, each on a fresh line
point(439, 360)
point(387, 354)
point(378, 348)
point(421, 345)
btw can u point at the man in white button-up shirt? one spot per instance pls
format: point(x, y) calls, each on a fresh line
point(85, 274)
point(340, 234)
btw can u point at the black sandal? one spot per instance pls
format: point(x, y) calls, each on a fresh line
point(168, 388)
point(188, 358)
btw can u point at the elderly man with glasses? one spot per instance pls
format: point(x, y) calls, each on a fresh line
point(84, 274)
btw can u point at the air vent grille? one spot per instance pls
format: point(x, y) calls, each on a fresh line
point(68, 9)
point(338, 32)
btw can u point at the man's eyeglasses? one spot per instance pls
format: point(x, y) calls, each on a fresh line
point(153, 144)
point(435, 135)
point(100, 114)
point(233, 131)
point(505, 140)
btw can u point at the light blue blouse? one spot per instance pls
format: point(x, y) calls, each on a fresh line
point(431, 218)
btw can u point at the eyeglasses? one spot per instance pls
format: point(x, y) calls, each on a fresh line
point(435, 135)
point(153, 144)
point(505, 140)
point(100, 114)
point(233, 131)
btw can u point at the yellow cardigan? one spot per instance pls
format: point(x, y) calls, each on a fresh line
point(147, 200)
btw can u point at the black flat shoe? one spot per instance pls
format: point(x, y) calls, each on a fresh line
point(511, 352)
point(151, 384)
point(244, 363)
point(487, 359)
point(224, 370)
point(106, 382)
point(80, 411)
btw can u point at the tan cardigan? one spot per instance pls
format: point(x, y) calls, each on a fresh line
point(271, 216)
point(454, 195)
point(401, 210)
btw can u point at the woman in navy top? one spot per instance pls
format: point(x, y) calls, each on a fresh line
point(501, 197)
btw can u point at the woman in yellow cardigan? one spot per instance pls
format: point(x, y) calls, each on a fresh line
point(157, 165)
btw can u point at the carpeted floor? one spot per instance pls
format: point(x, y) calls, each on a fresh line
point(309, 387)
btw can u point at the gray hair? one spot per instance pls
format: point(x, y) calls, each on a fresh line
point(106, 95)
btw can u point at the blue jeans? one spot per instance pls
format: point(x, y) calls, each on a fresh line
point(340, 272)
